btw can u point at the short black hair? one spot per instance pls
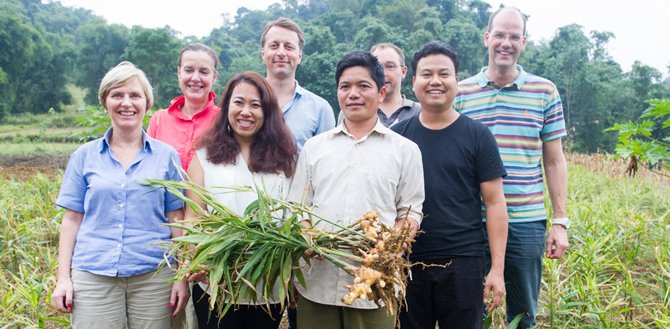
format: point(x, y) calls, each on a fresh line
point(432, 48)
point(364, 59)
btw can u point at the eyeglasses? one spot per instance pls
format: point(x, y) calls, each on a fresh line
point(390, 67)
point(511, 37)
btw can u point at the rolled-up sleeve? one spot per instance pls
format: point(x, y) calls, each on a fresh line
point(411, 190)
point(301, 179)
point(172, 202)
point(73, 189)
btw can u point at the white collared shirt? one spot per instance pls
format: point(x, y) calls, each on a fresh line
point(347, 178)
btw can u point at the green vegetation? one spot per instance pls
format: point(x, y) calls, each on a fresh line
point(645, 140)
point(37, 148)
point(616, 273)
point(49, 48)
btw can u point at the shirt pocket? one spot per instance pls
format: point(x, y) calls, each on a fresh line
point(381, 186)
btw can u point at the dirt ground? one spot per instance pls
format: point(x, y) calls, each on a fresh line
point(26, 166)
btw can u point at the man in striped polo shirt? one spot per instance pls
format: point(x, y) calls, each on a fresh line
point(525, 115)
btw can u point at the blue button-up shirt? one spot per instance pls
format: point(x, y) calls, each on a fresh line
point(122, 218)
point(307, 115)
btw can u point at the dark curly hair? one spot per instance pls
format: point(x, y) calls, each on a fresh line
point(273, 151)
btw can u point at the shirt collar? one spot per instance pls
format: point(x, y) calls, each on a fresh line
point(176, 103)
point(146, 141)
point(299, 90)
point(379, 128)
point(406, 102)
point(520, 80)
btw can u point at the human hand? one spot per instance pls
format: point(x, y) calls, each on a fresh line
point(557, 241)
point(179, 296)
point(412, 233)
point(495, 282)
point(310, 252)
point(197, 277)
point(62, 296)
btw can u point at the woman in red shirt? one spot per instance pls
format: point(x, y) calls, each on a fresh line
point(180, 124)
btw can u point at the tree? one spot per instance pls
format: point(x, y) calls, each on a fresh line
point(468, 41)
point(156, 52)
point(569, 52)
point(23, 53)
point(318, 39)
point(249, 24)
point(43, 85)
point(100, 48)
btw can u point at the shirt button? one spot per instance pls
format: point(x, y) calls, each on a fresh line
point(121, 205)
point(120, 225)
point(354, 166)
point(122, 185)
point(118, 245)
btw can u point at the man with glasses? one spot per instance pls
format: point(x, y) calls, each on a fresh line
point(524, 113)
point(395, 107)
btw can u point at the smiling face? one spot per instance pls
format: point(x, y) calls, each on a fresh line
point(505, 41)
point(394, 71)
point(281, 52)
point(358, 95)
point(245, 112)
point(196, 75)
point(127, 105)
point(435, 83)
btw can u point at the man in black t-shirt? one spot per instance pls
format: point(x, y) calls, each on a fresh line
point(462, 169)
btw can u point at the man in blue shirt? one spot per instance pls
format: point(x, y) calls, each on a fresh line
point(306, 114)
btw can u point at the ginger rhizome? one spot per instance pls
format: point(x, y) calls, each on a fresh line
point(381, 277)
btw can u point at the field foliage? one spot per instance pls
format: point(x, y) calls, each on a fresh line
point(616, 273)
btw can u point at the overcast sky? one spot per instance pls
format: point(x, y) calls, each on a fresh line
point(637, 25)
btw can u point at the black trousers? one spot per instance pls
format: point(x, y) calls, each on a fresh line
point(452, 296)
point(244, 317)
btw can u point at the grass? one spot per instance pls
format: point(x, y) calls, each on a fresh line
point(616, 273)
point(37, 148)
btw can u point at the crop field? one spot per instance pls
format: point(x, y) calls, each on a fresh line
point(616, 273)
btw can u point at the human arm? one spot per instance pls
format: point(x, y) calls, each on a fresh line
point(68, 237)
point(197, 176)
point(411, 192)
point(497, 226)
point(556, 170)
point(180, 289)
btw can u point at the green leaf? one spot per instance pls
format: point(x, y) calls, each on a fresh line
point(515, 322)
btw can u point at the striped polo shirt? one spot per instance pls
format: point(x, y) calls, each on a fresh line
point(521, 116)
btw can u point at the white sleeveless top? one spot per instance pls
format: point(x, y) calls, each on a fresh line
point(221, 175)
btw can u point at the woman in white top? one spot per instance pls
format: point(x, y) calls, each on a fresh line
point(247, 144)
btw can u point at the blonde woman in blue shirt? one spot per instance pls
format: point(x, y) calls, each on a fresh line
point(107, 253)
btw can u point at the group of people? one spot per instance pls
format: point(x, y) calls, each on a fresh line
point(463, 165)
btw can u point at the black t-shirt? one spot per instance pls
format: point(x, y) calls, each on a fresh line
point(456, 160)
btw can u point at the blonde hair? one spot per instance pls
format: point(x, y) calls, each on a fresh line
point(119, 77)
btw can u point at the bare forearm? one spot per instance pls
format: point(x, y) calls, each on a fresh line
point(497, 226)
point(68, 237)
point(175, 216)
point(556, 170)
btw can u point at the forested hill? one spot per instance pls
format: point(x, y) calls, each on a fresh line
point(45, 46)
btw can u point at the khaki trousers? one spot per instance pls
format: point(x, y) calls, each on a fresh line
point(313, 315)
point(140, 301)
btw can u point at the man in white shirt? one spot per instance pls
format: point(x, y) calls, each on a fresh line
point(356, 167)
point(395, 107)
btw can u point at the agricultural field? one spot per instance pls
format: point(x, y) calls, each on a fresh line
point(616, 273)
